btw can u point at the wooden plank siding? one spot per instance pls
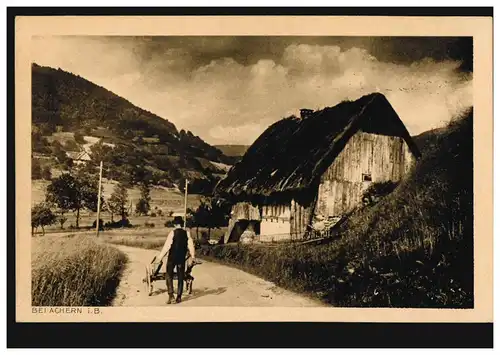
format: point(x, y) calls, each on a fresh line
point(300, 218)
point(381, 157)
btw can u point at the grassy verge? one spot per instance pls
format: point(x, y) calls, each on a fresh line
point(414, 248)
point(138, 242)
point(74, 271)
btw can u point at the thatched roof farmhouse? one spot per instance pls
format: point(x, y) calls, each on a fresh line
point(315, 167)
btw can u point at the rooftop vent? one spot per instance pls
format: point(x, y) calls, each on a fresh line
point(305, 113)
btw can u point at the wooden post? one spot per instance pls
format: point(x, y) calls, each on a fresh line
point(185, 202)
point(99, 201)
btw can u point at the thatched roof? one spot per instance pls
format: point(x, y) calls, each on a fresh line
point(293, 153)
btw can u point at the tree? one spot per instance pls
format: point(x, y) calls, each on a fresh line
point(71, 193)
point(201, 217)
point(86, 169)
point(101, 152)
point(211, 213)
point(143, 205)
point(41, 216)
point(118, 201)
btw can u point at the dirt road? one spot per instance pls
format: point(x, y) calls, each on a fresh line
point(214, 285)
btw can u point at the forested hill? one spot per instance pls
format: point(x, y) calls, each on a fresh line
point(62, 98)
point(66, 103)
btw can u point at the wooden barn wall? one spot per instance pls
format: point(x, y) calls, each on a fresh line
point(383, 157)
point(301, 216)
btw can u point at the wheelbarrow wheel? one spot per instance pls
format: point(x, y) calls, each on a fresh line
point(149, 284)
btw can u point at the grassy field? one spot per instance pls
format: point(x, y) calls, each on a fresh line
point(161, 198)
point(74, 270)
point(414, 248)
point(152, 238)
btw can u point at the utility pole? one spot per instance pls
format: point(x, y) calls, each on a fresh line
point(99, 201)
point(185, 202)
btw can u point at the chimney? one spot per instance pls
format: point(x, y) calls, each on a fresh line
point(305, 113)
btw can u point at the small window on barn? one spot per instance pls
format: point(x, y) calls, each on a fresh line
point(366, 177)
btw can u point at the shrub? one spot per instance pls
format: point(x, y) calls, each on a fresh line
point(74, 271)
point(149, 225)
point(125, 223)
point(152, 214)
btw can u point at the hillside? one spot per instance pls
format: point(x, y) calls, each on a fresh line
point(428, 138)
point(73, 115)
point(413, 248)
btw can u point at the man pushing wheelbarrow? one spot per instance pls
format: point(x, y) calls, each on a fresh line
point(178, 243)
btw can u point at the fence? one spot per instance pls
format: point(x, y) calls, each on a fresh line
point(293, 237)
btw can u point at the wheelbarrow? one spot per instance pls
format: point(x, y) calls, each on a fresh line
point(153, 274)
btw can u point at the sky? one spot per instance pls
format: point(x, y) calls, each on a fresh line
point(228, 90)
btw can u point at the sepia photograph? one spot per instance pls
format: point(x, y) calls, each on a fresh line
point(205, 171)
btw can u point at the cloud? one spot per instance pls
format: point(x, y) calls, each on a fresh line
point(226, 101)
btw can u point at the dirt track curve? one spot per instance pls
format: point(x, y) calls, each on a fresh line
point(214, 285)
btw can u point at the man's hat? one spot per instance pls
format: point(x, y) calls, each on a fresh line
point(178, 220)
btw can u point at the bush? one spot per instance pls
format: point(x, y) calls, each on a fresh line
point(149, 225)
point(74, 272)
point(377, 191)
point(152, 214)
point(118, 224)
